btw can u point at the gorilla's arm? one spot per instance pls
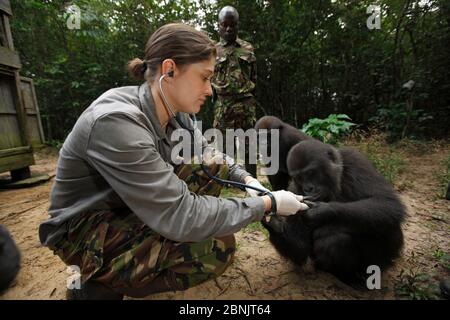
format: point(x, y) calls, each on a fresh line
point(290, 236)
point(372, 215)
point(367, 203)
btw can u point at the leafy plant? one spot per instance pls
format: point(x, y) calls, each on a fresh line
point(330, 129)
point(266, 184)
point(443, 258)
point(389, 165)
point(394, 119)
point(416, 286)
point(55, 144)
point(385, 158)
point(231, 192)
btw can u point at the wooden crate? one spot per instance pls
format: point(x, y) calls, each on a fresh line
point(16, 154)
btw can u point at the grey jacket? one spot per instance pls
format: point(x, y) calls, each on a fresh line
point(117, 155)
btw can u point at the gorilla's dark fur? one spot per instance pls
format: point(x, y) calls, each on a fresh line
point(289, 136)
point(9, 259)
point(356, 217)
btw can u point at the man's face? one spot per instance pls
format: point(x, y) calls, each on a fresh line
point(228, 28)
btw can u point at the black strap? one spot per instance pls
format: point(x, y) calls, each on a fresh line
point(273, 209)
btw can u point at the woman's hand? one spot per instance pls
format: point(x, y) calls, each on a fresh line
point(254, 183)
point(287, 203)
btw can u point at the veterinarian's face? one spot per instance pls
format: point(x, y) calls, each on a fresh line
point(192, 85)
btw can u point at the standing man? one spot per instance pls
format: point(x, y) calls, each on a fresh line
point(234, 80)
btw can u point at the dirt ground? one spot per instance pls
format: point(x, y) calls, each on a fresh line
point(258, 271)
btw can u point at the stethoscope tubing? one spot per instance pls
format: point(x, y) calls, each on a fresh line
point(192, 132)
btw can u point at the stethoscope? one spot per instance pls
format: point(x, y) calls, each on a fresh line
point(192, 132)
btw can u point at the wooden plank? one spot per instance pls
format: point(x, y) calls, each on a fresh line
point(9, 58)
point(5, 71)
point(8, 33)
point(5, 6)
point(7, 102)
point(15, 151)
point(33, 134)
point(10, 135)
point(27, 96)
point(16, 162)
point(20, 109)
point(32, 111)
point(26, 183)
point(10, 128)
point(8, 113)
point(3, 38)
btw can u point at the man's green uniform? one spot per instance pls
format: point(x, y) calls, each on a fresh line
point(234, 83)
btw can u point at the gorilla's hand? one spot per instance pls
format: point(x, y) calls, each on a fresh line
point(319, 214)
point(274, 223)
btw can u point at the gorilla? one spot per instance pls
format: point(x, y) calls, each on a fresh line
point(289, 136)
point(354, 219)
point(9, 259)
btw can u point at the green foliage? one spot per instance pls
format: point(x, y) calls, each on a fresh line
point(266, 184)
point(442, 257)
point(416, 286)
point(317, 57)
point(388, 165)
point(54, 143)
point(394, 120)
point(386, 160)
point(71, 68)
point(330, 129)
point(231, 193)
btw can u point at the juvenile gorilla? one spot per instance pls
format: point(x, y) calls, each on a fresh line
point(289, 136)
point(9, 259)
point(355, 218)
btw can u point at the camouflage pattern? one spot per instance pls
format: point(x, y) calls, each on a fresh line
point(118, 250)
point(235, 114)
point(197, 180)
point(234, 83)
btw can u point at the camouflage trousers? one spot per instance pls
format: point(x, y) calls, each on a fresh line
point(116, 249)
point(237, 114)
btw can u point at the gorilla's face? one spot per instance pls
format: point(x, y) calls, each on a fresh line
point(316, 170)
